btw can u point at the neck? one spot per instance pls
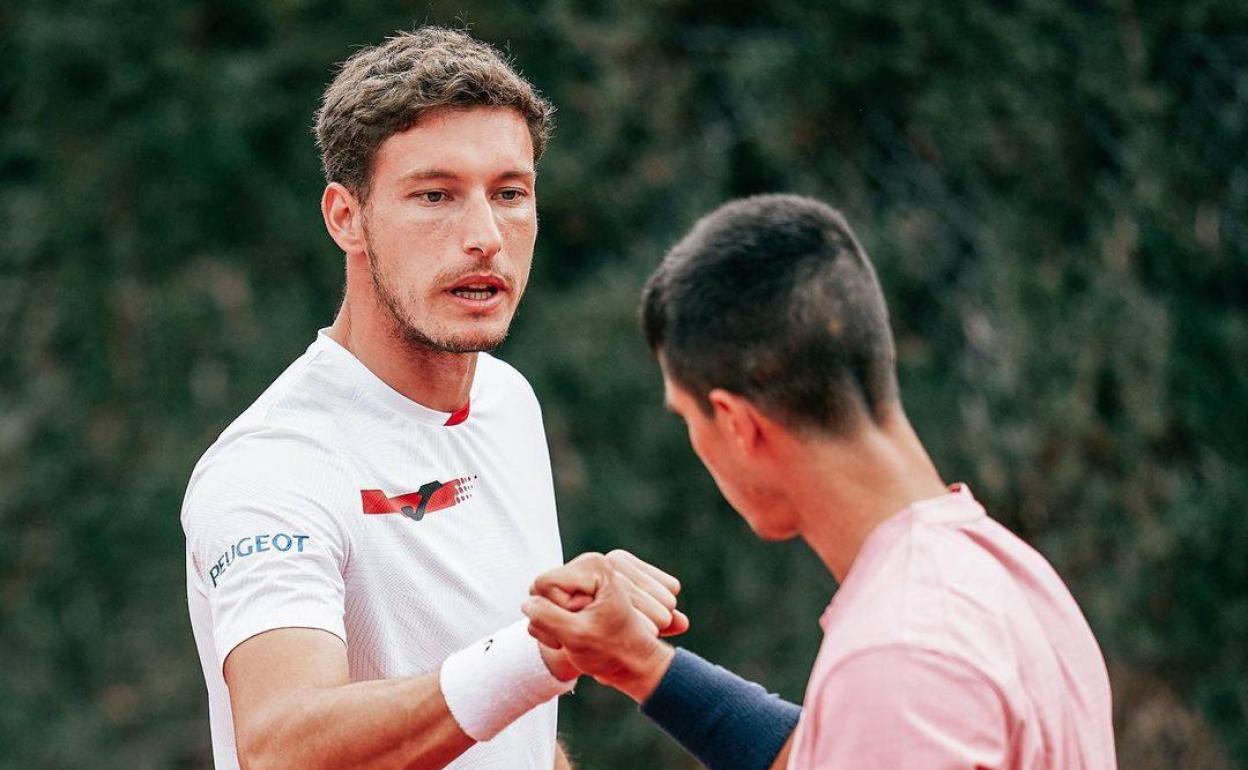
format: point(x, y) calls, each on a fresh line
point(856, 483)
point(432, 378)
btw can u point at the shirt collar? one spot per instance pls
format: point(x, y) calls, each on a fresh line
point(383, 393)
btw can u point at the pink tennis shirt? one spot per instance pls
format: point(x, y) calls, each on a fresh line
point(953, 644)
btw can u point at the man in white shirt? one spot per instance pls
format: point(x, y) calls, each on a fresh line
point(359, 541)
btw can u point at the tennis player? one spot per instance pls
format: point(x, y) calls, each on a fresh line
point(951, 644)
point(359, 541)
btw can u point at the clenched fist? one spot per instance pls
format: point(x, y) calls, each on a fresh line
point(607, 613)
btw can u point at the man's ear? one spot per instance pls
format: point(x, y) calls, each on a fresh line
point(344, 218)
point(739, 418)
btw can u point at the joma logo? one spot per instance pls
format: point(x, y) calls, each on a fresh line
point(433, 496)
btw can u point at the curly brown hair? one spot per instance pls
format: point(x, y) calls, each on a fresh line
point(385, 89)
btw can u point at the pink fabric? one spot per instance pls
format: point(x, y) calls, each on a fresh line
point(953, 644)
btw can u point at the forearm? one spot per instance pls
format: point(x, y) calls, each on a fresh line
point(419, 723)
point(725, 721)
point(383, 723)
point(782, 759)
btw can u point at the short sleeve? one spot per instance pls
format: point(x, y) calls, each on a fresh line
point(265, 542)
point(901, 707)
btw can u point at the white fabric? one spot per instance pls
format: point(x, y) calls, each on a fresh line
point(277, 535)
point(494, 680)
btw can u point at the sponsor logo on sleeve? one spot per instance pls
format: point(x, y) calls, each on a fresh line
point(252, 545)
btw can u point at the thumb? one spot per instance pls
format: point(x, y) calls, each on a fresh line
point(569, 601)
point(547, 620)
point(679, 624)
point(581, 575)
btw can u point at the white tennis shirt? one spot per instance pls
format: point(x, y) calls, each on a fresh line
point(335, 502)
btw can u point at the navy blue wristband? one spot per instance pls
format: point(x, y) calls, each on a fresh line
point(725, 721)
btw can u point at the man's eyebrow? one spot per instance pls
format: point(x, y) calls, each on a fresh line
point(427, 174)
point(523, 175)
point(422, 174)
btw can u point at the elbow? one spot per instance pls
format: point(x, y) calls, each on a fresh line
point(259, 757)
point(254, 757)
point(258, 749)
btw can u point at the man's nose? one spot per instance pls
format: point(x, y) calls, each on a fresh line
point(482, 237)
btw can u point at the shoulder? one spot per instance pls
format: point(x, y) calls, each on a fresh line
point(270, 471)
point(307, 396)
point(283, 454)
point(287, 434)
point(497, 373)
point(504, 392)
point(933, 589)
point(273, 454)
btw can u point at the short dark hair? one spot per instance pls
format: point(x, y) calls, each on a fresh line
point(773, 298)
point(383, 90)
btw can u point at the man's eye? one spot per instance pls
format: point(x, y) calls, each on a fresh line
point(510, 196)
point(432, 196)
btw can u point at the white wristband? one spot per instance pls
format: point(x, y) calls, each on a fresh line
point(492, 682)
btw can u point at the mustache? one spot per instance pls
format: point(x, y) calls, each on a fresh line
point(448, 278)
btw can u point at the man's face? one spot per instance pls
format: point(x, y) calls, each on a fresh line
point(450, 223)
point(745, 486)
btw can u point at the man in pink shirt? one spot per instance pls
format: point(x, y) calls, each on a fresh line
point(950, 643)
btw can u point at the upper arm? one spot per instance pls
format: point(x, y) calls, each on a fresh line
point(266, 541)
point(901, 707)
point(271, 667)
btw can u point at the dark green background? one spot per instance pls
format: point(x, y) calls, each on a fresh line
point(1056, 195)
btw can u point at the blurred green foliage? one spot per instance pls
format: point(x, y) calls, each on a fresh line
point(1056, 195)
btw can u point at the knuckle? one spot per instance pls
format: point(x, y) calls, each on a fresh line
point(597, 561)
point(579, 626)
point(609, 579)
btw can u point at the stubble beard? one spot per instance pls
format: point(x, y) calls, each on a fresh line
point(413, 337)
